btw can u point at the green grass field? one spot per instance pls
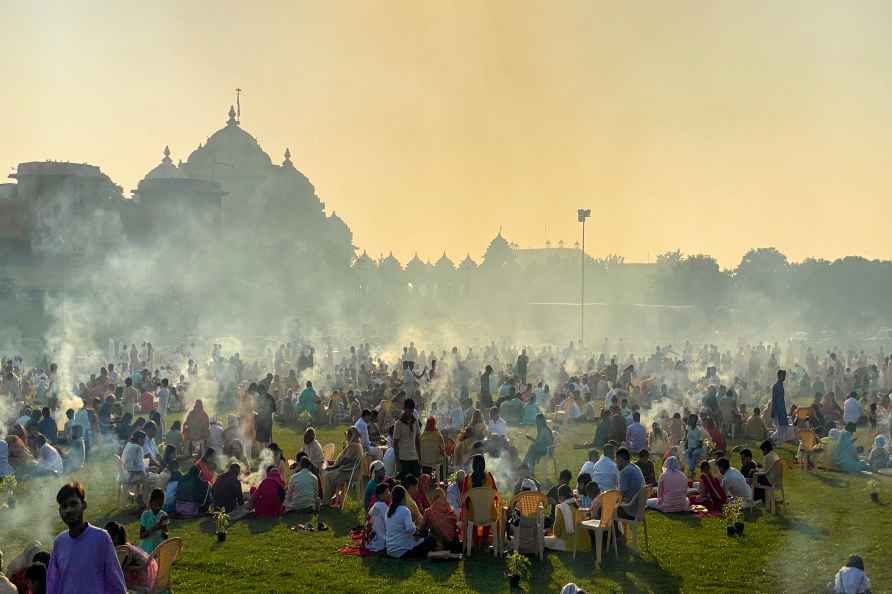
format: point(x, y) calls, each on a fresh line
point(829, 516)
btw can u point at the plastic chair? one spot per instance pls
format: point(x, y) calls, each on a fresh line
point(808, 444)
point(328, 452)
point(640, 506)
point(125, 487)
point(609, 502)
point(481, 505)
point(164, 555)
point(530, 504)
point(771, 501)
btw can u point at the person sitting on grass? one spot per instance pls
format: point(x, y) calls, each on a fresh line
point(845, 455)
point(227, 490)
point(879, 456)
point(672, 489)
point(402, 540)
point(139, 568)
point(439, 521)
point(851, 578)
point(755, 426)
point(734, 483)
point(564, 530)
point(269, 495)
point(711, 494)
point(456, 490)
point(207, 466)
point(83, 558)
point(417, 488)
point(376, 472)
point(192, 495)
point(302, 494)
point(375, 536)
point(153, 523)
point(49, 461)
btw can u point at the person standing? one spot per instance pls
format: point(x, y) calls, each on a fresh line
point(485, 388)
point(779, 407)
point(407, 441)
point(83, 559)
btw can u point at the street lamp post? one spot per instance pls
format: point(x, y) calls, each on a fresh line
point(582, 214)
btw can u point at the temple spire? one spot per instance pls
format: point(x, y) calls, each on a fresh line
point(287, 162)
point(166, 158)
point(232, 121)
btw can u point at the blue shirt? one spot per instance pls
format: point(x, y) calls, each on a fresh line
point(636, 437)
point(630, 481)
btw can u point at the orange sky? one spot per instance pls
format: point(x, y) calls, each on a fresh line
point(706, 126)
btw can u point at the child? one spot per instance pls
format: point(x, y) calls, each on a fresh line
point(591, 494)
point(153, 523)
point(647, 468)
point(851, 579)
point(581, 482)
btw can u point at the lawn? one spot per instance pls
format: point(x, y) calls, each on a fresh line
point(828, 517)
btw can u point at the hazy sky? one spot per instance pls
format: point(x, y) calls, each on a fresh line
point(709, 126)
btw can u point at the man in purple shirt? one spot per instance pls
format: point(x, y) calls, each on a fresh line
point(83, 559)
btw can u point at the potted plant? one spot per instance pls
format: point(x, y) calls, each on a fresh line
point(873, 487)
point(517, 567)
point(221, 518)
point(732, 512)
point(8, 485)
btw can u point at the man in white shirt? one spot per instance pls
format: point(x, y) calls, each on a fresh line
point(362, 425)
point(497, 425)
point(851, 409)
point(734, 483)
point(133, 457)
point(605, 472)
point(589, 466)
point(50, 462)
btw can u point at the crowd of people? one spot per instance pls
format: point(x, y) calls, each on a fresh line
point(424, 437)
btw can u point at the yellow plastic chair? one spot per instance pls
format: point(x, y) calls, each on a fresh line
point(609, 503)
point(328, 452)
point(530, 504)
point(640, 507)
point(481, 505)
point(808, 444)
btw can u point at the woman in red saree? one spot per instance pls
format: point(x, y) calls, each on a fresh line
point(715, 434)
point(711, 496)
point(269, 495)
point(197, 427)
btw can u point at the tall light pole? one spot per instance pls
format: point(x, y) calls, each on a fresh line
point(582, 214)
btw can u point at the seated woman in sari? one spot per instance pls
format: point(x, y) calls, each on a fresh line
point(565, 516)
point(474, 432)
point(711, 496)
point(207, 466)
point(192, 496)
point(440, 522)
point(337, 475)
point(139, 568)
point(268, 497)
point(539, 448)
point(672, 489)
point(879, 456)
point(845, 456)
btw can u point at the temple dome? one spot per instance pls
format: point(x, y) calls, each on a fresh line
point(228, 152)
point(165, 169)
